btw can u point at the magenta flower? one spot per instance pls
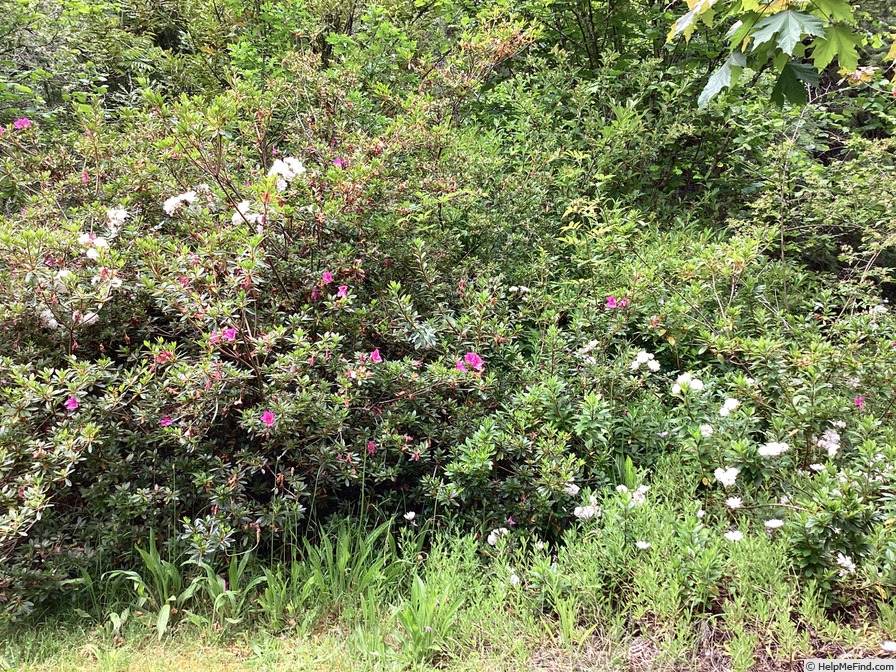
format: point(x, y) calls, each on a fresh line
point(611, 302)
point(343, 292)
point(339, 163)
point(859, 402)
point(85, 177)
point(2, 130)
point(326, 278)
point(623, 302)
point(474, 360)
point(166, 421)
point(376, 357)
point(511, 521)
point(268, 418)
point(19, 124)
point(71, 403)
point(315, 293)
point(371, 447)
point(214, 337)
point(229, 334)
point(459, 365)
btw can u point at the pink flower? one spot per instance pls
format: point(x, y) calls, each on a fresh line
point(623, 302)
point(474, 360)
point(185, 281)
point(214, 337)
point(2, 130)
point(371, 447)
point(229, 334)
point(343, 292)
point(71, 403)
point(860, 402)
point(376, 357)
point(415, 456)
point(326, 278)
point(339, 163)
point(85, 177)
point(268, 418)
point(166, 421)
point(19, 124)
point(611, 302)
point(315, 293)
point(459, 365)
point(511, 521)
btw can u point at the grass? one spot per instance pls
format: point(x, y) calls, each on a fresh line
point(385, 600)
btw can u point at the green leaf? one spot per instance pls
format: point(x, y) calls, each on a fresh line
point(838, 42)
point(834, 10)
point(790, 85)
point(789, 27)
point(722, 77)
point(162, 621)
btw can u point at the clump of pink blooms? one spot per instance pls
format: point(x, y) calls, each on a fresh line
point(472, 360)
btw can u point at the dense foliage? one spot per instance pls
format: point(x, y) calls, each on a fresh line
point(266, 263)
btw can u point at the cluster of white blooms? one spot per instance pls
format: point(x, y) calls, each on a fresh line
point(175, 203)
point(734, 535)
point(495, 535)
point(116, 218)
point(643, 545)
point(590, 511)
point(846, 563)
point(773, 449)
point(839, 424)
point(734, 503)
point(879, 309)
point(817, 467)
point(286, 171)
point(686, 382)
point(93, 243)
point(647, 359)
point(888, 645)
point(524, 290)
point(727, 477)
point(242, 214)
point(48, 319)
point(706, 431)
point(774, 523)
point(730, 405)
point(639, 496)
point(571, 489)
point(830, 441)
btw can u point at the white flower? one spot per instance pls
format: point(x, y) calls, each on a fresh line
point(750, 381)
point(773, 449)
point(116, 217)
point(621, 488)
point(242, 214)
point(817, 467)
point(87, 319)
point(588, 347)
point(286, 171)
point(643, 545)
point(644, 357)
point(48, 320)
point(539, 545)
point(706, 431)
point(100, 242)
point(93, 253)
point(410, 515)
point(839, 424)
point(586, 512)
point(697, 385)
point(727, 477)
point(638, 496)
point(734, 535)
point(829, 441)
point(514, 579)
point(774, 523)
point(676, 389)
point(175, 203)
point(571, 489)
point(701, 513)
point(879, 309)
point(888, 646)
point(495, 535)
point(734, 503)
point(846, 563)
point(730, 405)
